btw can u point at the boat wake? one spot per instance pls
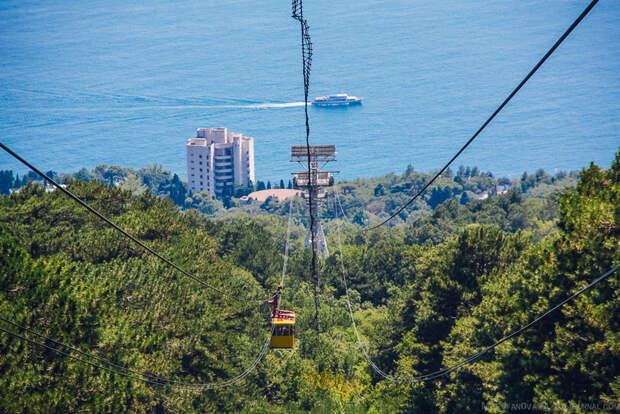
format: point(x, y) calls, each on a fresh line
point(74, 100)
point(274, 105)
point(242, 106)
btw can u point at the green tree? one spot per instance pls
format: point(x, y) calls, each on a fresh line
point(379, 190)
point(7, 181)
point(174, 189)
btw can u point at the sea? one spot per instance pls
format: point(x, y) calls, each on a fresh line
point(127, 82)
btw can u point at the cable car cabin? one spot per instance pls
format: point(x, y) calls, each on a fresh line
point(283, 322)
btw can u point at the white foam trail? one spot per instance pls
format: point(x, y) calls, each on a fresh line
point(139, 107)
point(225, 106)
point(249, 106)
point(275, 105)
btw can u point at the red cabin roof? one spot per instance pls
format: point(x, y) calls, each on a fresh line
point(284, 315)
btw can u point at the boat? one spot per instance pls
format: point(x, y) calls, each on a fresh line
point(341, 99)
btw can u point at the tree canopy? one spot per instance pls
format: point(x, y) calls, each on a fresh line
point(425, 294)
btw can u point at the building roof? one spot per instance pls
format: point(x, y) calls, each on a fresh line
point(279, 193)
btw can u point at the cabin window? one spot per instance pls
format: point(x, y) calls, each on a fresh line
point(283, 330)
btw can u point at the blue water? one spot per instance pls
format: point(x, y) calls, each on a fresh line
point(127, 82)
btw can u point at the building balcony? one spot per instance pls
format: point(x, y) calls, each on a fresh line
point(222, 184)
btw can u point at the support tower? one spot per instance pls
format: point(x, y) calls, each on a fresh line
point(314, 182)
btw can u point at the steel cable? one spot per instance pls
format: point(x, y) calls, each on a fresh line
point(115, 372)
point(444, 371)
point(306, 57)
point(119, 229)
point(288, 238)
point(117, 369)
point(488, 121)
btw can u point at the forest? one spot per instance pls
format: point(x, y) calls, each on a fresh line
point(367, 200)
point(456, 273)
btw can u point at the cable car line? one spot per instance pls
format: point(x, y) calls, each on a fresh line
point(118, 367)
point(32, 341)
point(306, 59)
point(120, 370)
point(488, 121)
point(130, 373)
point(119, 229)
point(283, 321)
point(477, 355)
point(524, 327)
point(444, 371)
point(288, 238)
point(86, 354)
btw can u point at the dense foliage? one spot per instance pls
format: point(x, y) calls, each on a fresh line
point(366, 199)
point(425, 295)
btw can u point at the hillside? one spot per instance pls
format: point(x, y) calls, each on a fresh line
point(367, 200)
point(425, 294)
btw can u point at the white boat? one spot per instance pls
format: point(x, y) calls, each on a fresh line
point(340, 99)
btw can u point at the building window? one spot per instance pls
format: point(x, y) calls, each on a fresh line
point(200, 175)
point(201, 183)
point(200, 169)
point(200, 163)
point(200, 156)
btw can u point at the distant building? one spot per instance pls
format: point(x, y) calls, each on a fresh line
point(217, 158)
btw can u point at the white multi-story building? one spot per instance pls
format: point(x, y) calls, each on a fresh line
point(217, 158)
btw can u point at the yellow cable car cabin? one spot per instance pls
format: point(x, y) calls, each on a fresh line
point(283, 322)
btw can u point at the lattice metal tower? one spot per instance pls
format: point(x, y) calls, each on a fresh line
point(314, 182)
